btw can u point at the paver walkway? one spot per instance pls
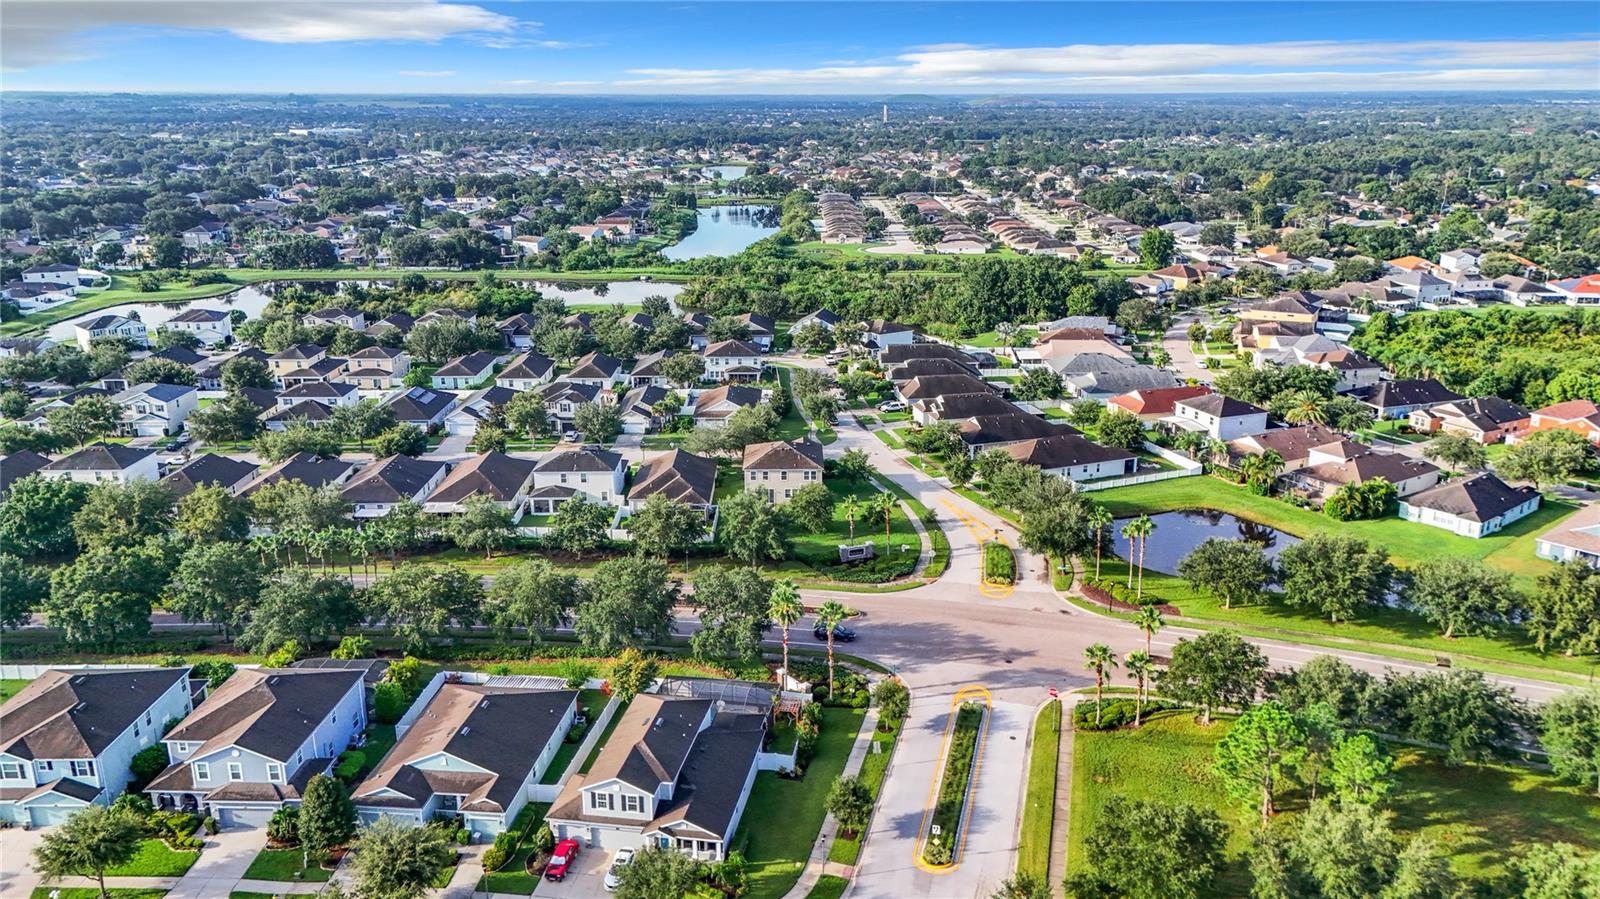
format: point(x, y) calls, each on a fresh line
point(817, 864)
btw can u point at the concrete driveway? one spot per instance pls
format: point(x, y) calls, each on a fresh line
point(585, 880)
point(16, 852)
point(222, 863)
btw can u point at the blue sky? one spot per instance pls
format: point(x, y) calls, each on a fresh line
point(666, 47)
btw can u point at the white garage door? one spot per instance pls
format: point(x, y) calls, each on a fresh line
point(47, 815)
point(245, 817)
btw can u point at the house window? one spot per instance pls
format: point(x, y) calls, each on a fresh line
point(10, 771)
point(235, 772)
point(46, 766)
point(601, 801)
point(83, 769)
point(632, 804)
point(147, 717)
point(202, 771)
point(274, 773)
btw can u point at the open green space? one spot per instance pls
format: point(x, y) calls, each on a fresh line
point(285, 865)
point(155, 858)
point(874, 768)
point(1039, 803)
point(380, 739)
point(821, 550)
point(1479, 815)
point(829, 886)
point(782, 817)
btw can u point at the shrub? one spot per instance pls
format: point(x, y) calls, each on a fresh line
point(350, 763)
point(284, 826)
point(136, 803)
point(146, 764)
point(576, 672)
point(1114, 712)
point(356, 647)
point(544, 840)
point(214, 672)
point(211, 825)
point(389, 702)
point(999, 567)
point(406, 673)
point(463, 836)
point(495, 858)
point(287, 655)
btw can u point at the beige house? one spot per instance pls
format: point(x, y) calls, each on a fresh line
point(780, 468)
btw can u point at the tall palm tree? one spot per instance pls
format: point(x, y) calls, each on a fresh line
point(829, 614)
point(1100, 659)
point(1305, 408)
point(1099, 519)
point(886, 505)
point(851, 507)
point(1139, 666)
point(784, 608)
point(1149, 620)
point(1007, 334)
point(1130, 533)
point(1146, 528)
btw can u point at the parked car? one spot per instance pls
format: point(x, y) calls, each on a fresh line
point(570, 436)
point(561, 860)
point(892, 406)
point(841, 634)
point(614, 874)
point(834, 358)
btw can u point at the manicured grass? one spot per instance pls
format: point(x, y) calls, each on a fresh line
point(9, 688)
point(874, 767)
point(889, 439)
point(822, 550)
point(514, 876)
point(782, 818)
point(155, 858)
point(591, 703)
point(952, 798)
point(93, 893)
point(989, 339)
point(1039, 804)
point(999, 566)
point(828, 886)
point(246, 894)
point(611, 726)
point(1479, 815)
point(380, 739)
point(284, 865)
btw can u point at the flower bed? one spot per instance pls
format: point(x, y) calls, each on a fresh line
point(1100, 596)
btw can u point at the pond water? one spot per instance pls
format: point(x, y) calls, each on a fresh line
point(724, 231)
point(727, 172)
point(1178, 533)
point(252, 300)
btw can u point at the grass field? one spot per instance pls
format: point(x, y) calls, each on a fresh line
point(9, 688)
point(155, 859)
point(1039, 804)
point(284, 865)
point(782, 817)
point(828, 886)
point(1479, 815)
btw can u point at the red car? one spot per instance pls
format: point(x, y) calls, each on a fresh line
point(561, 860)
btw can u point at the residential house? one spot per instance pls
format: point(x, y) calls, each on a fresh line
point(328, 368)
point(598, 475)
point(1156, 403)
point(939, 385)
point(639, 413)
point(210, 470)
point(1584, 291)
point(505, 480)
point(464, 372)
point(986, 432)
point(526, 372)
point(54, 273)
point(1103, 384)
point(1579, 416)
point(918, 368)
point(1474, 506)
point(311, 412)
point(376, 368)
point(1398, 399)
point(343, 317)
point(1575, 539)
point(327, 393)
point(251, 748)
point(959, 406)
point(119, 326)
point(153, 410)
point(698, 323)
point(210, 326)
point(518, 330)
point(475, 409)
point(102, 462)
point(897, 353)
point(1220, 417)
point(675, 773)
point(761, 327)
point(680, 476)
point(881, 334)
point(562, 399)
point(1522, 292)
point(18, 465)
point(394, 323)
point(204, 235)
point(712, 407)
point(308, 469)
point(647, 370)
point(1343, 462)
point(385, 483)
point(209, 375)
point(421, 407)
point(779, 468)
point(597, 370)
point(293, 359)
point(1070, 455)
point(733, 360)
point(67, 738)
point(822, 317)
point(473, 750)
point(1485, 419)
point(1293, 445)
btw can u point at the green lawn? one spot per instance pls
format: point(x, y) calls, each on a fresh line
point(782, 817)
point(92, 893)
point(989, 339)
point(822, 550)
point(380, 739)
point(284, 865)
point(246, 894)
point(792, 426)
point(828, 886)
point(155, 859)
point(9, 688)
point(1039, 804)
point(1478, 814)
point(514, 876)
point(874, 767)
point(591, 703)
point(1407, 542)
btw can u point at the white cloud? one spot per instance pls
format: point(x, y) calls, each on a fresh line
point(419, 73)
point(40, 32)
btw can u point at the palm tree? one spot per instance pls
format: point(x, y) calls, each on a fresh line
point(851, 507)
point(886, 505)
point(784, 608)
point(1006, 332)
point(829, 614)
point(1139, 666)
point(1149, 620)
point(1261, 470)
point(1160, 358)
point(1100, 659)
point(1146, 528)
point(1305, 408)
point(1130, 533)
point(1099, 519)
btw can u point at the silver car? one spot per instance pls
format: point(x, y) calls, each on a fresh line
point(614, 873)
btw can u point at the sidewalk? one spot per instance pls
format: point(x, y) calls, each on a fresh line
point(1061, 825)
point(818, 864)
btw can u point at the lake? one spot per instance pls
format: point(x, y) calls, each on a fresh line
point(727, 172)
point(724, 231)
point(252, 300)
point(1178, 533)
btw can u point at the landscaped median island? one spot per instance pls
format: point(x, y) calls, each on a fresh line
point(941, 837)
point(999, 565)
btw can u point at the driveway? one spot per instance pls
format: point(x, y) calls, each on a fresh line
point(586, 879)
point(16, 852)
point(222, 863)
